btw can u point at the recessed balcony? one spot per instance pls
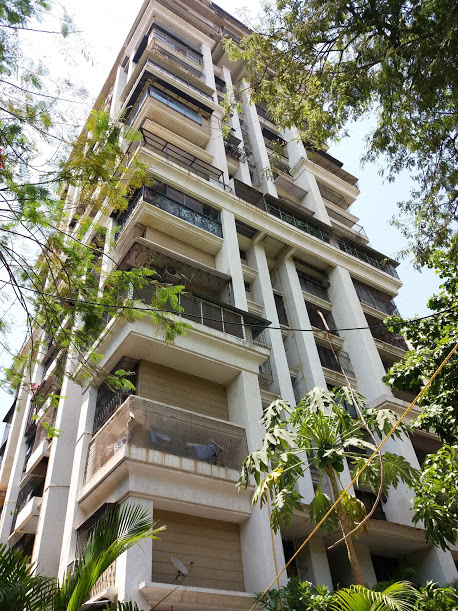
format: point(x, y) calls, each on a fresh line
point(339, 364)
point(28, 505)
point(180, 117)
point(283, 178)
point(168, 436)
point(374, 298)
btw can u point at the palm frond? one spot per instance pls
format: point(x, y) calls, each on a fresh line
point(20, 588)
point(117, 531)
point(399, 596)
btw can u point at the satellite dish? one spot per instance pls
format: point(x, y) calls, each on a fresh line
point(179, 565)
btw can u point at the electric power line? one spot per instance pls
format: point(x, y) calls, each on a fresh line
point(198, 316)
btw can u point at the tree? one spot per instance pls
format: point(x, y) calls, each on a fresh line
point(432, 339)
point(319, 433)
point(53, 239)
point(318, 65)
point(116, 532)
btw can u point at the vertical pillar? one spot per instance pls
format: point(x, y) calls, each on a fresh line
point(262, 549)
point(136, 564)
point(216, 143)
point(303, 178)
point(257, 141)
point(360, 345)
point(262, 288)
point(316, 563)
point(74, 514)
point(243, 173)
point(57, 483)
point(365, 561)
point(304, 342)
point(433, 563)
point(228, 258)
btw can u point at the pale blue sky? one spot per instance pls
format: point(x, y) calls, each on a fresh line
point(106, 23)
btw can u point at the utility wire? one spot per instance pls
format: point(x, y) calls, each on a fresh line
point(198, 316)
point(344, 492)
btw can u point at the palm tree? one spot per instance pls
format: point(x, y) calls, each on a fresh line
point(399, 596)
point(115, 533)
point(320, 433)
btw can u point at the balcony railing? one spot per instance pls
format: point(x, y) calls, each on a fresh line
point(372, 299)
point(262, 113)
point(229, 320)
point(278, 165)
point(349, 226)
point(151, 425)
point(299, 223)
point(182, 81)
point(163, 202)
point(33, 487)
point(172, 57)
point(312, 287)
point(384, 335)
point(329, 361)
point(316, 321)
point(182, 49)
point(368, 257)
point(185, 159)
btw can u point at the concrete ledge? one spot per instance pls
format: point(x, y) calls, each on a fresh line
point(189, 598)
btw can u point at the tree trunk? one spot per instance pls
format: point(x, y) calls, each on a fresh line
point(352, 557)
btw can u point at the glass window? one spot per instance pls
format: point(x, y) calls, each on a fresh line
point(175, 105)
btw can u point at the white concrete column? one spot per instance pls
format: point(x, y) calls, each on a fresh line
point(303, 343)
point(57, 483)
point(360, 345)
point(74, 516)
point(262, 289)
point(216, 143)
point(120, 83)
point(303, 178)
point(243, 172)
point(16, 456)
point(228, 259)
point(365, 561)
point(434, 564)
point(136, 564)
point(257, 142)
point(314, 565)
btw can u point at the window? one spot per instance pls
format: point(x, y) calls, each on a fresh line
point(175, 105)
point(189, 202)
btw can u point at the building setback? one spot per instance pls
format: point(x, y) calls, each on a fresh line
point(257, 239)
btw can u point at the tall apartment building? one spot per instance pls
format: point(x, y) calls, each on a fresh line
point(261, 244)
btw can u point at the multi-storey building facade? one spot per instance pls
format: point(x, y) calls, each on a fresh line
point(261, 244)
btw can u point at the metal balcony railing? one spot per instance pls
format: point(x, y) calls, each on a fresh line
point(329, 361)
point(384, 335)
point(262, 113)
point(163, 202)
point(33, 487)
point(265, 375)
point(349, 226)
point(313, 287)
point(184, 159)
point(181, 49)
point(299, 223)
point(375, 299)
point(151, 425)
point(316, 321)
point(281, 310)
point(368, 257)
point(278, 165)
point(174, 59)
point(229, 320)
point(182, 81)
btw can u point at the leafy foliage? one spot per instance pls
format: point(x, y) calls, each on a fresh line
point(432, 340)
point(337, 61)
point(297, 596)
point(400, 596)
point(20, 588)
point(435, 598)
point(53, 241)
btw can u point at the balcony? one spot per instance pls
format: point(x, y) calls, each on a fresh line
point(313, 286)
point(176, 111)
point(283, 179)
point(375, 299)
point(300, 223)
point(317, 322)
point(368, 255)
point(176, 77)
point(216, 315)
point(173, 58)
point(28, 503)
point(158, 200)
point(368, 499)
point(344, 225)
point(331, 164)
point(163, 429)
point(184, 159)
point(181, 48)
point(380, 332)
point(342, 363)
